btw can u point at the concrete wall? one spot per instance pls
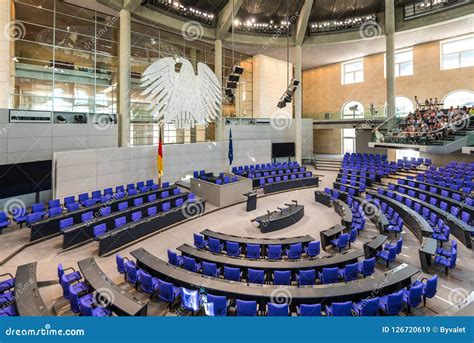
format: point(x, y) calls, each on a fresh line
point(29, 142)
point(85, 171)
point(327, 141)
point(363, 137)
point(276, 132)
point(323, 92)
point(269, 83)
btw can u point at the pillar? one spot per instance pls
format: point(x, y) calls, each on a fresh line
point(298, 106)
point(218, 70)
point(390, 55)
point(124, 78)
point(8, 34)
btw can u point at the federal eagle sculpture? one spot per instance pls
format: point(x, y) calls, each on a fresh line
point(178, 96)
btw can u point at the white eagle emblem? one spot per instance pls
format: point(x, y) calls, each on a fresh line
point(178, 96)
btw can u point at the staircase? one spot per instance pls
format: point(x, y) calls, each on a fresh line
point(330, 164)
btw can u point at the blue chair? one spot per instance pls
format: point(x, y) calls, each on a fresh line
point(166, 206)
point(352, 236)
point(255, 276)
point(274, 252)
point(137, 201)
point(38, 208)
point(174, 258)
point(105, 211)
point(89, 203)
point(391, 304)
point(199, 241)
point(189, 263)
point(54, 203)
point(123, 206)
point(388, 255)
point(191, 300)
point(307, 310)
point(295, 251)
point(367, 267)
point(148, 283)
point(367, 307)
point(69, 277)
point(233, 248)
point(340, 242)
point(282, 277)
point(109, 191)
point(136, 216)
point(278, 310)
point(447, 262)
point(65, 223)
point(132, 274)
point(219, 305)
point(447, 253)
point(313, 249)
point(86, 216)
point(120, 221)
point(253, 250)
point(168, 292)
point(412, 297)
point(233, 274)
point(99, 230)
point(339, 309)
point(152, 211)
point(19, 215)
point(86, 309)
point(179, 202)
point(328, 275)
point(151, 198)
point(96, 195)
point(123, 264)
point(246, 308)
point(429, 287)
point(72, 206)
point(215, 245)
point(306, 277)
point(52, 212)
point(349, 272)
point(210, 269)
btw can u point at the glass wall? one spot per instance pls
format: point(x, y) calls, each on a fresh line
point(67, 58)
point(149, 44)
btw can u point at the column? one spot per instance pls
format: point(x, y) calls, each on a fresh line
point(7, 40)
point(124, 78)
point(218, 71)
point(390, 58)
point(298, 106)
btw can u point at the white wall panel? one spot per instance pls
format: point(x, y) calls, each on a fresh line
point(102, 168)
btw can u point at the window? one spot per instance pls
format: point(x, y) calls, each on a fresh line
point(352, 109)
point(403, 63)
point(459, 98)
point(403, 106)
point(348, 141)
point(457, 53)
point(352, 72)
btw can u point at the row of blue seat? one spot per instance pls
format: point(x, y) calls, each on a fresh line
point(7, 296)
point(268, 166)
point(280, 172)
point(218, 305)
point(274, 252)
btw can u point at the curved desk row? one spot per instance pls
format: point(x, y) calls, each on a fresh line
point(459, 229)
point(115, 298)
point(318, 263)
point(312, 181)
point(337, 185)
point(413, 220)
point(451, 202)
point(440, 188)
point(131, 232)
point(278, 220)
point(351, 171)
point(50, 226)
point(357, 290)
point(344, 211)
point(83, 232)
point(256, 179)
point(285, 242)
point(27, 296)
point(359, 178)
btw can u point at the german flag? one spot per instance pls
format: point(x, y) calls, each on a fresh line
point(160, 160)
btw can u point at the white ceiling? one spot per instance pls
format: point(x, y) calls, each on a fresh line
point(314, 56)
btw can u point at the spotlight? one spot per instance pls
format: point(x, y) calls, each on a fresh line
point(231, 85)
point(281, 104)
point(234, 78)
point(287, 98)
point(238, 70)
point(229, 92)
point(294, 82)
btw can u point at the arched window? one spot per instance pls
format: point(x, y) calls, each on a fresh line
point(403, 106)
point(459, 98)
point(352, 109)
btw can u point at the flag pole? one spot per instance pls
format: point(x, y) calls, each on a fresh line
point(159, 160)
